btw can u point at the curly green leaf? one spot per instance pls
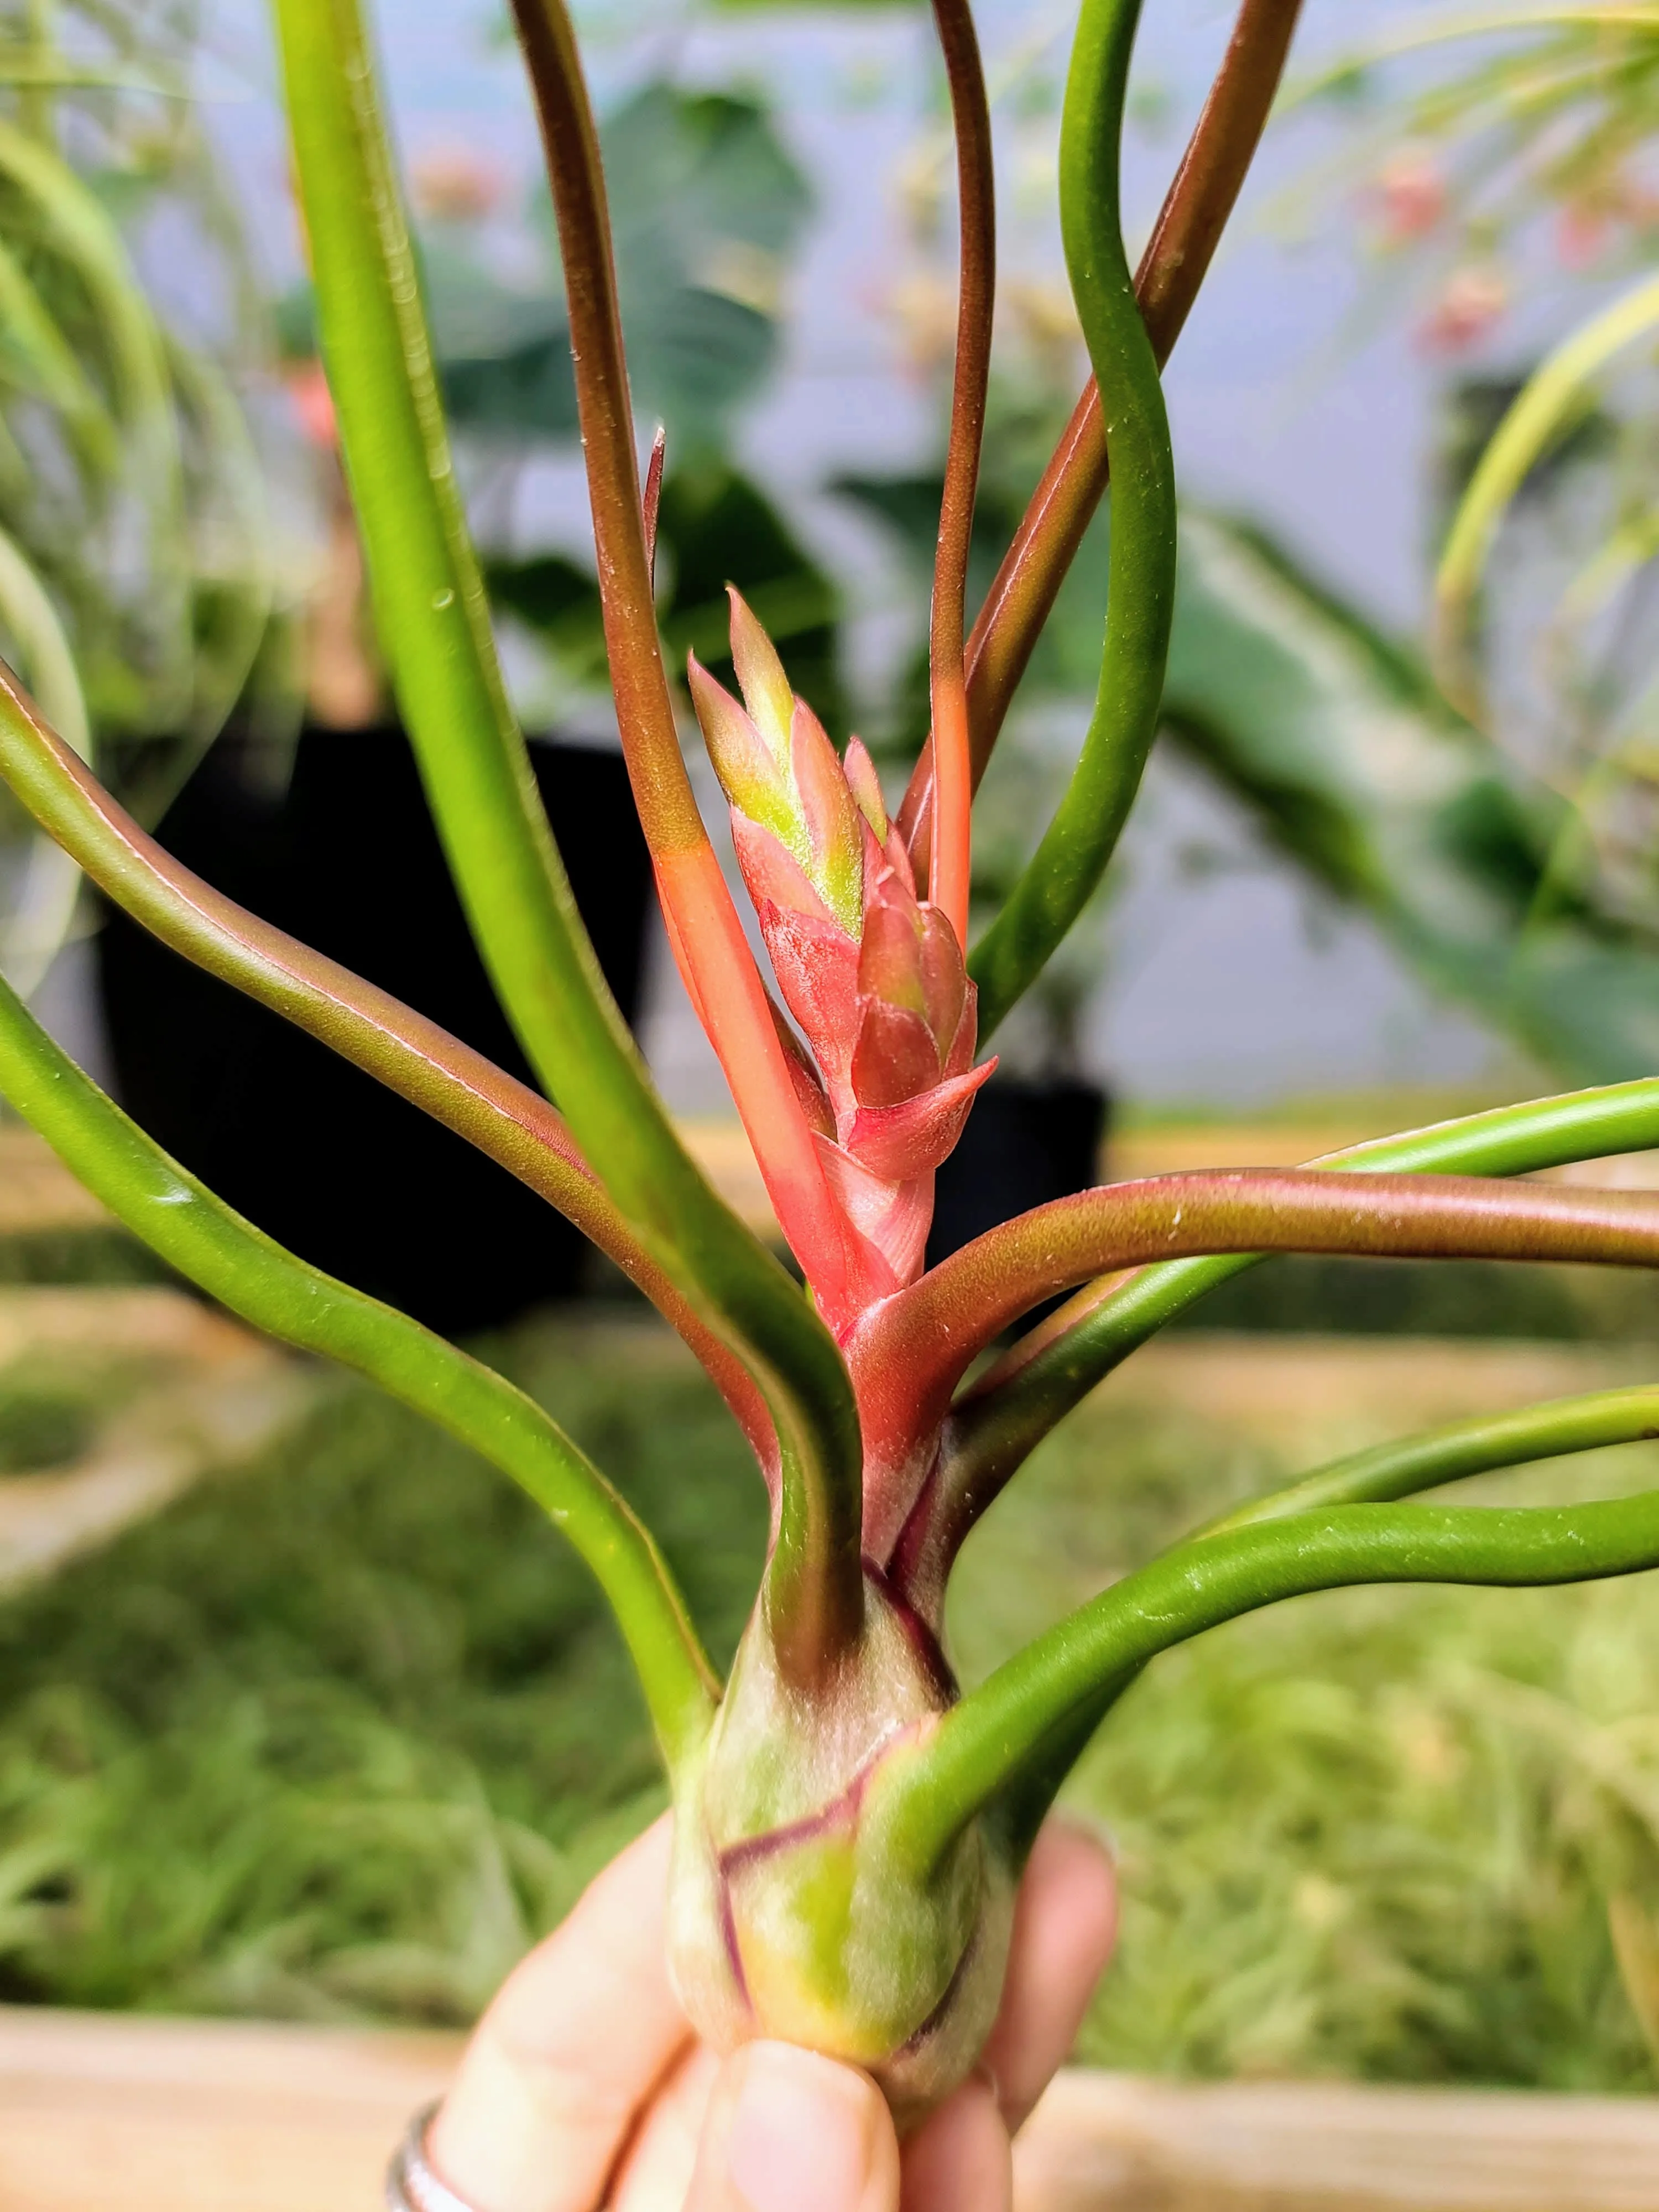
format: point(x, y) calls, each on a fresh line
point(1140, 591)
point(985, 1746)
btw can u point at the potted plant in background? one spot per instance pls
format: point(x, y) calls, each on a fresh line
point(849, 1826)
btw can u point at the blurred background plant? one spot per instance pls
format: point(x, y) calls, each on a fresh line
point(1463, 838)
point(1506, 161)
point(134, 578)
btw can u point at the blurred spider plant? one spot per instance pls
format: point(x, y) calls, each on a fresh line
point(1503, 184)
point(849, 1828)
point(133, 584)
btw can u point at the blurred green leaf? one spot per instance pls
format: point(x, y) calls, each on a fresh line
point(721, 529)
point(714, 527)
point(1337, 740)
point(707, 206)
point(127, 477)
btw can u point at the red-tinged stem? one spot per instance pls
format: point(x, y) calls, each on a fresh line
point(911, 1352)
point(975, 302)
point(725, 982)
point(509, 1123)
point(731, 1002)
point(1176, 261)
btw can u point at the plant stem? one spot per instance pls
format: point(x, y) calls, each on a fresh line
point(1176, 261)
point(920, 1800)
point(1080, 840)
point(931, 1332)
point(458, 1086)
point(239, 1266)
point(434, 624)
point(1590, 1423)
point(951, 858)
point(1012, 1408)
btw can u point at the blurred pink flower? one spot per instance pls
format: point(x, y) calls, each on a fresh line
point(1411, 195)
point(453, 183)
point(313, 403)
point(1471, 302)
point(1581, 233)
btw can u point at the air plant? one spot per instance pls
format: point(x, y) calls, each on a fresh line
point(849, 1828)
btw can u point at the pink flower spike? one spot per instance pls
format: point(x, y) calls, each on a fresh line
point(761, 679)
point(750, 778)
point(865, 787)
point(897, 858)
point(773, 874)
point(944, 978)
point(895, 1057)
point(889, 1224)
point(889, 960)
point(960, 1052)
point(816, 966)
point(899, 1143)
point(835, 831)
point(804, 1077)
point(313, 403)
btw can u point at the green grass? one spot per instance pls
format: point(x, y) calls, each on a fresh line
point(43, 1423)
point(56, 1403)
point(76, 1255)
point(342, 1732)
point(338, 1735)
point(1427, 1297)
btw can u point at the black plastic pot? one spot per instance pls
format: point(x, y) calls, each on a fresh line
point(319, 1154)
point(1025, 1142)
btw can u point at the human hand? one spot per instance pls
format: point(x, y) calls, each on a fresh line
point(583, 2086)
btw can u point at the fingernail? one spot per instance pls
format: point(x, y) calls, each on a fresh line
point(802, 2136)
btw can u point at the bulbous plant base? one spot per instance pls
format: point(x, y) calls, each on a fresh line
point(787, 1918)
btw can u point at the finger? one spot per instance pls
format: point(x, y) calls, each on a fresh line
point(565, 2058)
point(960, 2160)
point(1065, 1921)
point(655, 2175)
point(789, 2131)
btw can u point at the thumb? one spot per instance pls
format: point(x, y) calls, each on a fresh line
point(789, 2131)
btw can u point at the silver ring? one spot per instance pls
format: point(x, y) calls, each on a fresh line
point(410, 2184)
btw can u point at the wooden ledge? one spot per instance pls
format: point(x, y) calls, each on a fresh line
point(112, 2113)
point(1100, 2141)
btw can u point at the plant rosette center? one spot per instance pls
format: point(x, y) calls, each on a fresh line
point(788, 1917)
